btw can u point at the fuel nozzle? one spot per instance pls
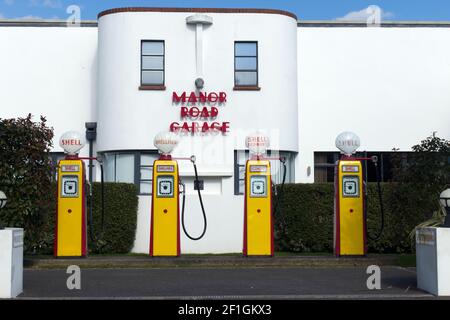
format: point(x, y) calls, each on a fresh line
point(193, 159)
point(283, 159)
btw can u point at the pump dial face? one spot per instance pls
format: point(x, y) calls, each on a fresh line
point(350, 186)
point(258, 186)
point(69, 187)
point(165, 187)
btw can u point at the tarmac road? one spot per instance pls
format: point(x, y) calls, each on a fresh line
point(223, 283)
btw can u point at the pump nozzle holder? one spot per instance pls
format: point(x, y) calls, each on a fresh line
point(374, 159)
point(193, 159)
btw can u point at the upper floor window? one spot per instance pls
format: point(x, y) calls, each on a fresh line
point(152, 63)
point(246, 64)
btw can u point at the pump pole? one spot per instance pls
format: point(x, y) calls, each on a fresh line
point(91, 136)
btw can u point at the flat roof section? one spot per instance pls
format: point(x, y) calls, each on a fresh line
point(362, 24)
point(198, 10)
point(43, 23)
point(300, 23)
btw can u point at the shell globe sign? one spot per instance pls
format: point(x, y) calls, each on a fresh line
point(166, 141)
point(257, 143)
point(72, 142)
point(347, 142)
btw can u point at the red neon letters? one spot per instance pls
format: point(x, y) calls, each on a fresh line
point(191, 110)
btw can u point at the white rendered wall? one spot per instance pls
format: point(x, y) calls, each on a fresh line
point(389, 85)
point(49, 71)
point(129, 118)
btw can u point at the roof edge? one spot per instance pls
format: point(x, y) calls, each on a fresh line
point(362, 24)
point(43, 23)
point(197, 10)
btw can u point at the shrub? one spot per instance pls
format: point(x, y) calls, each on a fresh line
point(308, 210)
point(121, 205)
point(25, 176)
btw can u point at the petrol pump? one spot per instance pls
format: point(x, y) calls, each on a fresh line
point(166, 191)
point(70, 231)
point(258, 209)
point(350, 214)
point(73, 191)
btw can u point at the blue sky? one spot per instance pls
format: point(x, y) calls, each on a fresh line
point(428, 10)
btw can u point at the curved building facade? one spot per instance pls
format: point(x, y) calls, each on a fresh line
point(149, 60)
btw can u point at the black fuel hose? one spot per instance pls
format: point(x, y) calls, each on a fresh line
point(91, 202)
point(380, 199)
point(205, 226)
point(279, 197)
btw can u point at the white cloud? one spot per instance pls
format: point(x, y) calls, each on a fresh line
point(365, 14)
point(54, 4)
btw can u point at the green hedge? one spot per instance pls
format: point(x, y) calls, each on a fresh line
point(308, 212)
point(121, 205)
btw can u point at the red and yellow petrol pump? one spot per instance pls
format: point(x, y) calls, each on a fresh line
point(258, 209)
point(350, 229)
point(70, 231)
point(165, 227)
point(165, 212)
point(350, 219)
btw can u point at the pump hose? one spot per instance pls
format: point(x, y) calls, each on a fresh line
point(279, 197)
point(91, 219)
point(205, 226)
point(380, 199)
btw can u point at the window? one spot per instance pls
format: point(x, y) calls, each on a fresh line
point(146, 173)
point(55, 157)
point(131, 167)
point(240, 160)
point(119, 167)
point(152, 63)
point(246, 64)
point(324, 165)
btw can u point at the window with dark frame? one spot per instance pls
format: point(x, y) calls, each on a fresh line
point(146, 172)
point(131, 167)
point(240, 161)
point(152, 63)
point(324, 165)
point(246, 64)
point(55, 157)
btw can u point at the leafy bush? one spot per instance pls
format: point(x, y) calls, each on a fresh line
point(25, 176)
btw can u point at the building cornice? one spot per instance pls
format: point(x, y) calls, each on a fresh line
point(362, 24)
point(43, 23)
point(198, 10)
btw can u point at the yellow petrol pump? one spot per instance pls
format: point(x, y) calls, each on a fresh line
point(350, 229)
point(258, 209)
point(165, 227)
point(70, 231)
point(350, 232)
point(165, 212)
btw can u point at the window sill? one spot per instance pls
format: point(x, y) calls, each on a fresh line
point(158, 88)
point(244, 88)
